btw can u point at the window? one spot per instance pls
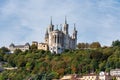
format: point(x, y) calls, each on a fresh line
point(58, 39)
point(55, 38)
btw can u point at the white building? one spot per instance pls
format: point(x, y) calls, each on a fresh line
point(13, 47)
point(104, 76)
point(59, 40)
point(115, 72)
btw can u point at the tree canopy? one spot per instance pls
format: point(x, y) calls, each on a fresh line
point(40, 64)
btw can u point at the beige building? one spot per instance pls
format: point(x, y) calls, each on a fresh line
point(13, 47)
point(43, 46)
point(102, 76)
point(117, 77)
point(89, 77)
point(78, 77)
point(70, 77)
point(58, 40)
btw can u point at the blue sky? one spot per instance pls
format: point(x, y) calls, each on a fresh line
point(24, 21)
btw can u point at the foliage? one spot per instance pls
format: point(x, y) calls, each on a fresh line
point(40, 64)
point(95, 45)
point(116, 43)
point(87, 45)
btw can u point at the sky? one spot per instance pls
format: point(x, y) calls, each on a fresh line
point(24, 21)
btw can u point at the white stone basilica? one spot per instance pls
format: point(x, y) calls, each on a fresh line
point(59, 40)
point(56, 41)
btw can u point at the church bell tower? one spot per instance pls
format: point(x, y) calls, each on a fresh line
point(51, 26)
point(65, 29)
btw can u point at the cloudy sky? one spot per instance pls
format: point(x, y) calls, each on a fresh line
point(24, 21)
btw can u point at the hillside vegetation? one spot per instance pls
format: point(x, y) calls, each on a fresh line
point(42, 65)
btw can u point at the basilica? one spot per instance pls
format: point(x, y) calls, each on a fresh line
point(57, 40)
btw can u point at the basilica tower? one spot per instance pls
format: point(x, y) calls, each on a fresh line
point(65, 28)
point(47, 36)
point(51, 26)
point(57, 40)
point(74, 37)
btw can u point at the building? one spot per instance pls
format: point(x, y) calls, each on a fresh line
point(117, 77)
point(115, 72)
point(58, 40)
point(13, 47)
point(89, 77)
point(104, 76)
point(70, 77)
point(93, 76)
point(43, 46)
point(79, 77)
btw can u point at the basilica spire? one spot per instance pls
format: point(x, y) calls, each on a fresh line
point(65, 20)
point(46, 34)
point(74, 32)
point(65, 29)
point(51, 20)
point(74, 27)
point(51, 26)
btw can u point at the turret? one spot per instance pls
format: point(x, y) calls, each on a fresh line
point(46, 36)
point(27, 44)
point(12, 45)
point(65, 26)
point(74, 37)
point(51, 26)
point(74, 32)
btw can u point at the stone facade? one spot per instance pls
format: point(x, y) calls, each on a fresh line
point(115, 72)
point(89, 77)
point(70, 77)
point(59, 39)
point(43, 46)
point(13, 47)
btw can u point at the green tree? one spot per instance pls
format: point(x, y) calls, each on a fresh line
point(95, 45)
point(4, 50)
point(82, 45)
point(33, 47)
point(116, 43)
point(17, 51)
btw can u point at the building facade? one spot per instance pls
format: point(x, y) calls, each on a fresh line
point(115, 72)
point(43, 46)
point(13, 47)
point(70, 77)
point(104, 76)
point(89, 77)
point(58, 40)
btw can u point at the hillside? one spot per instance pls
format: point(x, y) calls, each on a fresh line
point(39, 64)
